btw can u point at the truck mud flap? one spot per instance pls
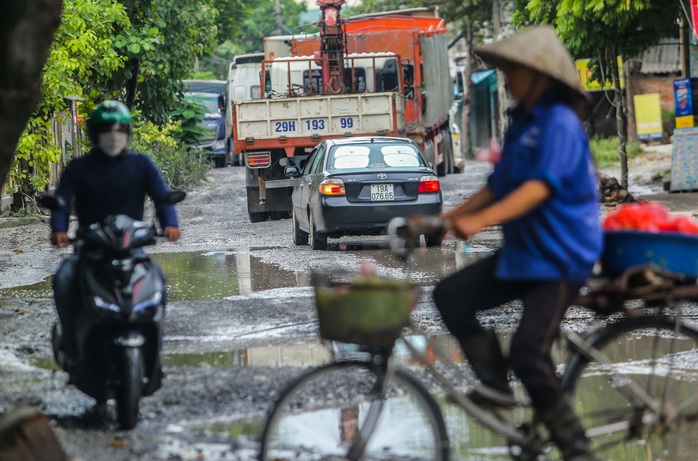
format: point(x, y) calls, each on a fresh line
point(278, 202)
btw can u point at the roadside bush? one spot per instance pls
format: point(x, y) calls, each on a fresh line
point(605, 151)
point(180, 168)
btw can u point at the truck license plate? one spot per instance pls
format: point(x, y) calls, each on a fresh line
point(382, 192)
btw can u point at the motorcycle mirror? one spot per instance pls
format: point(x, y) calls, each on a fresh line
point(175, 196)
point(52, 202)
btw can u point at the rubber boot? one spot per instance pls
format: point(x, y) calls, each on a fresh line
point(567, 432)
point(485, 357)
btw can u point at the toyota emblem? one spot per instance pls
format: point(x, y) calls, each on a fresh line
point(382, 176)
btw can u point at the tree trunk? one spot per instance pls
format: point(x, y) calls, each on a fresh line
point(621, 117)
point(27, 28)
point(132, 84)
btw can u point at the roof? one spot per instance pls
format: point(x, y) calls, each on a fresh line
point(664, 58)
point(367, 140)
point(204, 86)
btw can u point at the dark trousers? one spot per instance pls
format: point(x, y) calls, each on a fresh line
point(66, 294)
point(460, 296)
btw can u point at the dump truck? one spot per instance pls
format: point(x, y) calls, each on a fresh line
point(385, 75)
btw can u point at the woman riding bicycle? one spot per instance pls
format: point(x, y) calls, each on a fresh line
point(543, 191)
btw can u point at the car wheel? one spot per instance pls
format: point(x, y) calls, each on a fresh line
point(318, 240)
point(300, 237)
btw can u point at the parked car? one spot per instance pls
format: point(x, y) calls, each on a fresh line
point(208, 94)
point(355, 186)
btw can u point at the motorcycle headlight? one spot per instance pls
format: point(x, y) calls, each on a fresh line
point(102, 304)
point(147, 308)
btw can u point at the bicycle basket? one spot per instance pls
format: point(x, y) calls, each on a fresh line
point(368, 310)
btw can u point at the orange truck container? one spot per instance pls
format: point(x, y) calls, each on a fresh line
point(397, 83)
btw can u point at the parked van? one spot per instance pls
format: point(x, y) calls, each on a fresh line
point(243, 83)
point(208, 93)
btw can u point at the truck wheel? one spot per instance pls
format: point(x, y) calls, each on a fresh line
point(129, 386)
point(230, 155)
point(318, 240)
point(276, 215)
point(447, 150)
point(300, 237)
point(259, 217)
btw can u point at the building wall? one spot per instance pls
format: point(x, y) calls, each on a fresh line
point(662, 84)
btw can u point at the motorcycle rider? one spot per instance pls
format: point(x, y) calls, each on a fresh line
point(109, 180)
point(543, 191)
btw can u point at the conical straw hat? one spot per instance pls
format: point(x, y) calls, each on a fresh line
point(539, 48)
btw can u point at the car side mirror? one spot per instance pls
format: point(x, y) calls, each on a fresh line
point(221, 102)
point(175, 196)
point(292, 172)
point(407, 72)
point(409, 92)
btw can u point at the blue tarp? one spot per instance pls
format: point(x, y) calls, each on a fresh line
point(479, 77)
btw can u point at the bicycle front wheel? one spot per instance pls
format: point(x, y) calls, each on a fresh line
point(338, 412)
point(638, 381)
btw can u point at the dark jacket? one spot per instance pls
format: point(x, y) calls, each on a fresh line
point(103, 186)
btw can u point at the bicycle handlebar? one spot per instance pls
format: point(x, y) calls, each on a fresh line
point(403, 233)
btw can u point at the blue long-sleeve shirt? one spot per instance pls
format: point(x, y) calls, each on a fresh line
point(560, 239)
point(103, 186)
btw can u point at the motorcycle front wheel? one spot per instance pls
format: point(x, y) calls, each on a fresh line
point(129, 386)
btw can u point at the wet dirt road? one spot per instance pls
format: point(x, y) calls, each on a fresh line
point(240, 325)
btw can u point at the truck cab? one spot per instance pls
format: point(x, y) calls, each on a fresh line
point(242, 84)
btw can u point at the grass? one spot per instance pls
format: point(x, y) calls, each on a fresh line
point(605, 151)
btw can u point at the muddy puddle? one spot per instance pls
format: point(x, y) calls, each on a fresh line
point(212, 275)
point(469, 439)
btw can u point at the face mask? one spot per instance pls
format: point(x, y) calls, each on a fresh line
point(112, 143)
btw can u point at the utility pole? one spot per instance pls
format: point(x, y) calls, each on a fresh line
point(278, 29)
point(501, 93)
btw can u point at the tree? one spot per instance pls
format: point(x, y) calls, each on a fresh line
point(161, 46)
point(602, 30)
point(82, 54)
point(27, 28)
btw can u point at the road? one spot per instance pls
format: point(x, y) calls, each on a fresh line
point(227, 356)
point(226, 359)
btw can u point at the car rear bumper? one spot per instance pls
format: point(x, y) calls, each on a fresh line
point(337, 215)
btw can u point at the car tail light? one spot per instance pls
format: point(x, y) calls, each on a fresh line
point(429, 184)
point(258, 160)
point(332, 186)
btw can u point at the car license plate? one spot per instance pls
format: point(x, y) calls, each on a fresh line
point(382, 192)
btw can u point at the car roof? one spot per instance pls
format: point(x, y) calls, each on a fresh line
point(368, 140)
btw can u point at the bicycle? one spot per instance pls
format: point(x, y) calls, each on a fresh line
point(373, 409)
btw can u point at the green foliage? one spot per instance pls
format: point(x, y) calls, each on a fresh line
point(161, 46)
point(207, 75)
point(84, 51)
point(606, 151)
point(180, 168)
point(376, 6)
point(601, 29)
point(261, 22)
point(189, 116)
point(36, 151)
point(253, 22)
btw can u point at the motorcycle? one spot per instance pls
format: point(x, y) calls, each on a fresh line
point(119, 327)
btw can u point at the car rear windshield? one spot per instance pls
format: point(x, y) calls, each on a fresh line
point(374, 156)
